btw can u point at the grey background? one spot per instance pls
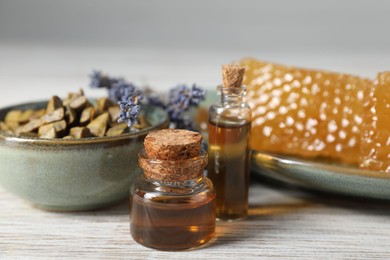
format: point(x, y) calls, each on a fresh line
point(49, 46)
point(332, 25)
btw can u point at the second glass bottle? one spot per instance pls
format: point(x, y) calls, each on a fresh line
point(229, 152)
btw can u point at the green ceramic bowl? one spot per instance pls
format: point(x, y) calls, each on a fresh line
point(73, 174)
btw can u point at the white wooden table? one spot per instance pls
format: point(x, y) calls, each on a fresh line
point(283, 223)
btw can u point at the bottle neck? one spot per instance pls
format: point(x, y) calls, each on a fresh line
point(231, 96)
point(173, 173)
point(175, 184)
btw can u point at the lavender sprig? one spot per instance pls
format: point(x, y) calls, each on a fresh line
point(122, 89)
point(130, 107)
point(100, 80)
point(155, 100)
point(117, 87)
point(181, 99)
point(128, 97)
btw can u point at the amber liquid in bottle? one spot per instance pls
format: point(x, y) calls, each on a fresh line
point(229, 168)
point(172, 222)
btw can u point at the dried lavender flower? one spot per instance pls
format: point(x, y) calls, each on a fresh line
point(181, 99)
point(117, 87)
point(155, 100)
point(100, 80)
point(130, 106)
point(185, 96)
point(122, 89)
point(128, 97)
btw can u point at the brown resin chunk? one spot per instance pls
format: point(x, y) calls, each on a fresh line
point(50, 133)
point(53, 104)
point(25, 116)
point(114, 113)
point(79, 103)
point(70, 115)
point(13, 116)
point(4, 126)
point(99, 125)
point(80, 132)
point(87, 115)
point(172, 144)
point(72, 96)
point(37, 114)
point(18, 116)
point(232, 76)
point(12, 125)
point(102, 104)
point(54, 116)
point(142, 123)
point(117, 129)
point(31, 126)
point(59, 128)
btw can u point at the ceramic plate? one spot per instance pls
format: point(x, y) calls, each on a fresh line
point(322, 176)
point(317, 175)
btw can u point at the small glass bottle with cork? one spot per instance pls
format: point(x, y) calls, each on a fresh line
point(229, 153)
point(172, 206)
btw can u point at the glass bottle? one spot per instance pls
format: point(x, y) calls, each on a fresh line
point(172, 205)
point(229, 153)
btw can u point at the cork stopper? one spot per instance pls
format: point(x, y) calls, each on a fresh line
point(172, 144)
point(173, 155)
point(232, 76)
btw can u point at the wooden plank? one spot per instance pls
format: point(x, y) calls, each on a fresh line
point(282, 224)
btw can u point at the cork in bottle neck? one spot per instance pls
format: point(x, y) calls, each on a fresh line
point(232, 76)
point(173, 173)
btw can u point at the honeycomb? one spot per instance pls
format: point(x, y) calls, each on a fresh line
point(375, 147)
point(308, 113)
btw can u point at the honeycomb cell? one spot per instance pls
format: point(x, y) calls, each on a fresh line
point(303, 112)
point(375, 137)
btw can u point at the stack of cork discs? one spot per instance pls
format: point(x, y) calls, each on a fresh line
point(73, 117)
point(312, 113)
point(174, 149)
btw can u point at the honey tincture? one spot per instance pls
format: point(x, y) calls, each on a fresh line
point(229, 153)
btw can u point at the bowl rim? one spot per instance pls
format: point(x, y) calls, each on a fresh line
point(8, 137)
